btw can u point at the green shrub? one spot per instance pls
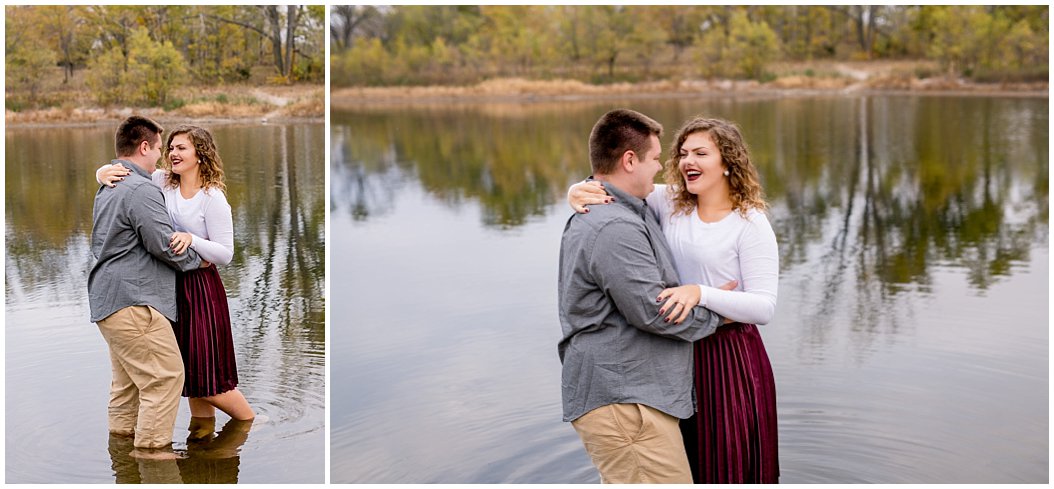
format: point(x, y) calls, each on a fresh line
point(174, 103)
point(145, 77)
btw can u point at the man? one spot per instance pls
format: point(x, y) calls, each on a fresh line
point(132, 293)
point(627, 373)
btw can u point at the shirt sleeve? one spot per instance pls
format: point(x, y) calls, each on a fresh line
point(759, 264)
point(98, 178)
point(158, 177)
point(146, 211)
point(624, 266)
point(218, 248)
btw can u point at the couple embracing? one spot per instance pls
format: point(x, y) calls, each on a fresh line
point(640, 353)
point(154, 291)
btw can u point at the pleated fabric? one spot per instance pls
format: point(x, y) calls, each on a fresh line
point(204, 333)
point(732, 439)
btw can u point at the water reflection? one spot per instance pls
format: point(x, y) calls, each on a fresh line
point(213, 460)
point(908, 227)
point(907, 188)
point(515, 165)
point(275, 184)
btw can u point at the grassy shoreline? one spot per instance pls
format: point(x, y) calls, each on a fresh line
point(525, 91)
point(241, 104)
point(232, 104)
point(788, 79)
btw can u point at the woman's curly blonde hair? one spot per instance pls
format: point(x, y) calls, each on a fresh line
point(210, 168)
point(744, 188)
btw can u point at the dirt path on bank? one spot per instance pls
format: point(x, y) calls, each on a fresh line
point(278, 101)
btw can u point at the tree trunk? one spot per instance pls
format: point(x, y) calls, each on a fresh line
point(575, 53)
point(292, 18)
point(271, 11)
point(272, 31)
point(349, 21)
point(341, 34)
point(66, 47)
point(864, 19)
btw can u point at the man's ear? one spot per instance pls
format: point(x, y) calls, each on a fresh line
point(144, 146)
point(627, 161)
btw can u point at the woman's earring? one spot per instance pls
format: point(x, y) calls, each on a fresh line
point(726, 173)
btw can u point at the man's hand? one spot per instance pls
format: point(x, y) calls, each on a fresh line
point(205, 264)
point(681, 300)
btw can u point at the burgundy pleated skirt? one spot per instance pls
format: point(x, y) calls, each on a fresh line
point(732, 438)
point(204, 333)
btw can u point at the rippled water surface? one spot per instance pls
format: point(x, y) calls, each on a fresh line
point(57, 364)
point(911, 338)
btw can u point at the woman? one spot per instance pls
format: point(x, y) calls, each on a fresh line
point(192, 183)
point(712, 214)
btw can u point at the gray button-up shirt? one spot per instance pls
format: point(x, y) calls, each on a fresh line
point(130, 242)
point(617, 348)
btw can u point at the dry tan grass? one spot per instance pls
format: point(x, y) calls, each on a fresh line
point(810, 83)
point(37, 116)
point(226, 102)
point(792, 78)
point(216, 109)
point(897, 81)
point(504, 87)
point(313, 106)
point(72, 115)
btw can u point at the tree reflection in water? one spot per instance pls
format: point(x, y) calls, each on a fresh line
point(887, 187)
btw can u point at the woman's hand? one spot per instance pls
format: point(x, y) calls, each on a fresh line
point(582, 194)
point(110, 175)
point(681, 300)
point(180, 242)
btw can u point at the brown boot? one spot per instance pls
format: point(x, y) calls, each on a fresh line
point(201, 428)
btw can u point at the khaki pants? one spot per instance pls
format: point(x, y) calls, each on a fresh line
point(634, 443)
point(147, 375)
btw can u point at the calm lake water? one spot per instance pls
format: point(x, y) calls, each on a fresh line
point(57, 364)
point(911, 338)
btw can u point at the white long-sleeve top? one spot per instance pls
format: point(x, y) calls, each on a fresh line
point(206, 216)
point(741, 248)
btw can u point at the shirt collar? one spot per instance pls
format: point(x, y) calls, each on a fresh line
point(638, 205)
point(132, 166)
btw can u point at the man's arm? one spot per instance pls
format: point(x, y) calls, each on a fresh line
point(624, 266)
point(146, 210)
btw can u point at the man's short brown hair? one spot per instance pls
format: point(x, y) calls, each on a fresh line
point(132, 132)
point(615, 133)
